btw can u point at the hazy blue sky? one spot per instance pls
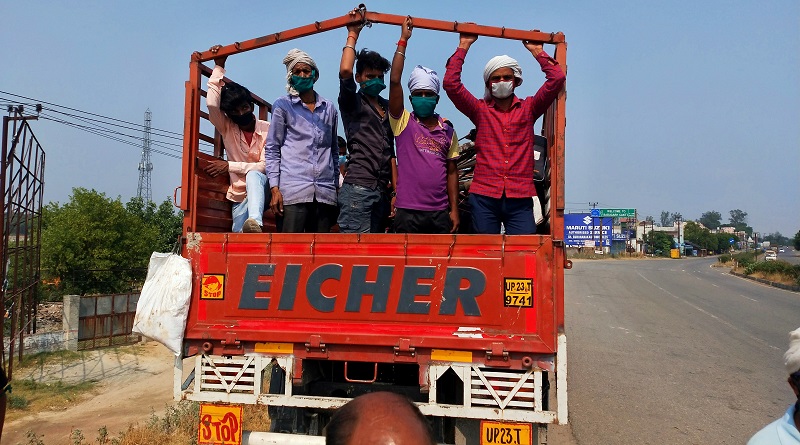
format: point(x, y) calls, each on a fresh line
point(685, 106)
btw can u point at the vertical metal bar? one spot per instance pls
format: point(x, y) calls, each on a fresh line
point(557, 211)
point(3, 246)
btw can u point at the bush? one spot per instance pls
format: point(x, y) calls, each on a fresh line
point(779, 268)
point(745, 258)
point(17, 402)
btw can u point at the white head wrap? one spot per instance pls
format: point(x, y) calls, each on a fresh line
point(494, 64)
point(792, 356)
point(293, 57)
point(423, 78)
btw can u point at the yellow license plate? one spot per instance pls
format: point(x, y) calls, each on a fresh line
point(220, 425)
point(496, 433)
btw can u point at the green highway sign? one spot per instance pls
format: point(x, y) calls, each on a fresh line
point(617, 213)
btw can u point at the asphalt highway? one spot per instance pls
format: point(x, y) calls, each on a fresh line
point(674, 352)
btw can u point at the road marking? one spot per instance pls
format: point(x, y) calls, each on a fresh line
point(734, 327)
point(751, 299)
point(714, 285)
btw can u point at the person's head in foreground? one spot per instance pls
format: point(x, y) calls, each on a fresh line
point(379, 418)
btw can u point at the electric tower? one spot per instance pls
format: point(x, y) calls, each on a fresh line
point(145, 166)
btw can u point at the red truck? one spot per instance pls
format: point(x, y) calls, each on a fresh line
point(470, 327)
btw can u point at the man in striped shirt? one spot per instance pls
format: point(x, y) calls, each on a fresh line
point(502, 184)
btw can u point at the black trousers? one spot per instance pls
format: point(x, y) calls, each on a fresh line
point(308, 217)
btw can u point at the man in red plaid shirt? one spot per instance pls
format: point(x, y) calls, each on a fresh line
point(502, 184)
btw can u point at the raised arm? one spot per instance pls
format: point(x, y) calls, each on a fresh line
point(456, 91)
point(215, 115)
point(554, 75)
point(349, 49)
point(396, 76)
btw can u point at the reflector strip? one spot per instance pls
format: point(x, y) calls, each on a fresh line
point(275, 348)
point(451, 356)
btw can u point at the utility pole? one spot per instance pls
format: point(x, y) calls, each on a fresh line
point(145, 166)
point(594, 206)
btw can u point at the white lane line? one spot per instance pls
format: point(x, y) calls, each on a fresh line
point(734, 327)
point(751, 299)
point(714, 285)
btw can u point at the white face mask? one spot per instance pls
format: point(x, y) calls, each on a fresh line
point(501, 90)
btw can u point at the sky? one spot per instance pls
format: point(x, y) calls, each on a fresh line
point(682, 106)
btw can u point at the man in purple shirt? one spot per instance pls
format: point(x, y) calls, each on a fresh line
point(301, 151)
point(427, 150)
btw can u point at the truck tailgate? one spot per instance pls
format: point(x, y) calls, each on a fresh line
point(431, 291)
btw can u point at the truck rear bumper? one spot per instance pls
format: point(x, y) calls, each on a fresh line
point(488, 393)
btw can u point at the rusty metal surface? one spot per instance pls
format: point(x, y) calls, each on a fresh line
point(377, 17)
point(106, 320)
point(21, 188)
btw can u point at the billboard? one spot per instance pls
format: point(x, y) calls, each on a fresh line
point(581, 227)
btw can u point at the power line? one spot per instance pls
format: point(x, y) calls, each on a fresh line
point(107, 129)
point(99, 133)
point(88, 119)
point(141, 127)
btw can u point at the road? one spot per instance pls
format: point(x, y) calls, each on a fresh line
point(789, 255)
point(674, 351)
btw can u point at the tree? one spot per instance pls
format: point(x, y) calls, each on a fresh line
point(777, 238)
point(797, 240)
point(650, 219)
point(659, 243)
point(738, 219)
point(666, 218)
point(698, 236)
point(676, 216)
point(724, 242)
point(166, 221)
point(94, 244)
point(712, 219)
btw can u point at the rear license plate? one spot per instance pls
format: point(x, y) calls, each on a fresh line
point(220, 425)
point(497, 433)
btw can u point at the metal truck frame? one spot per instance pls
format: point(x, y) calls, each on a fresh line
point(449, 323)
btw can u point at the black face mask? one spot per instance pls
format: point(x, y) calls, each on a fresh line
point(244, 119)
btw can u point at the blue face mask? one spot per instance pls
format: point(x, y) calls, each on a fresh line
point(342, 160)
point(423, 106)
point(303, 84)
point(373, 87)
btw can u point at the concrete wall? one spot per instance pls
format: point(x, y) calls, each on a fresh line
point(42, 342)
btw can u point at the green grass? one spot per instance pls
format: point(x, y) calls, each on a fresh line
point(28, 396)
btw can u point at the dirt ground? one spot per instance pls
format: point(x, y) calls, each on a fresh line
point(134, 382)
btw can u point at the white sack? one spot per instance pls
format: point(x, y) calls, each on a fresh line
point(164, 304)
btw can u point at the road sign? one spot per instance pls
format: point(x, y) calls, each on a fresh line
point(730, 240)
point(617, 213)
point(595, 213)
point(581, 227)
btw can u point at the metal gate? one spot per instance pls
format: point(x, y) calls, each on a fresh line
point(106, 320)
point(21, 188)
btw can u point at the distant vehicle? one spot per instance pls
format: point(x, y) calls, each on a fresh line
point(771, 255)
point(781, 250)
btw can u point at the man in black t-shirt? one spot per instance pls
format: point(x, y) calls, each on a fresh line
point(365, 197)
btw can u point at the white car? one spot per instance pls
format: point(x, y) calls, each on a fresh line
point(770, 255)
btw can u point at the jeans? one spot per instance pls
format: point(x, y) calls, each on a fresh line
point(253, 204)
point(516, 214)
point(362, 209)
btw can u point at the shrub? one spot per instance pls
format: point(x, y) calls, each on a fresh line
point(17, 402)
